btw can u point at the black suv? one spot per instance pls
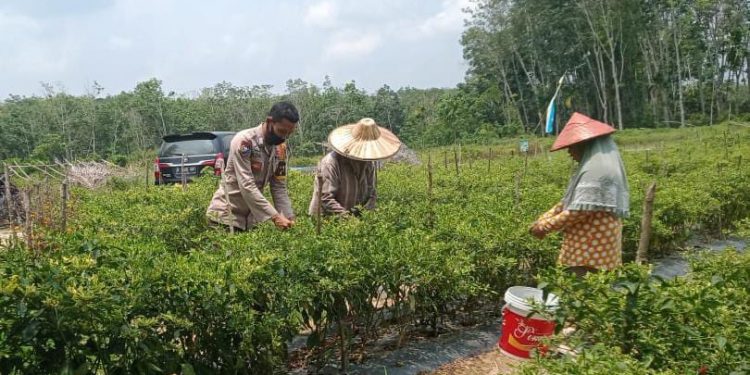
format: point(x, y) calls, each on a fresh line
point(193, 152)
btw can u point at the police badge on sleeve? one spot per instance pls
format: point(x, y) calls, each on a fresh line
point(280, 172)
point(245, 149)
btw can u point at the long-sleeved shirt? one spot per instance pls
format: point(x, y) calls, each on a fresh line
point(346, 183)
point(590, 238)
point(251, 165)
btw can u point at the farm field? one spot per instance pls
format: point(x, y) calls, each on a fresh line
point(139, 283)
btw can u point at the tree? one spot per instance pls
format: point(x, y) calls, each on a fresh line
point(387, 109)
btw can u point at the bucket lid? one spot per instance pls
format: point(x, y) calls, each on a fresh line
point(525, 298)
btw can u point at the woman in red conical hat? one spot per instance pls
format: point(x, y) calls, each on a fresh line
point(590, 214)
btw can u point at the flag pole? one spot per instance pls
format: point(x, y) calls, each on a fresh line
point(551, 109)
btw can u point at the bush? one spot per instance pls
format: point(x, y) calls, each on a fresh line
point(683, 324)
point(142, 283)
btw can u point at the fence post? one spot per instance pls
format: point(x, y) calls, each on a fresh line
point(183, 175)
point(517, 190)
point(27, 223)
point(429, 176)
point(525, 162)
point(460, 156)
point(64, 208)
point(42, 201)
point(648, 210)
point(489, 160)
point(739, 163)
point(455, 159)
point(319, 209)
point(8, 197)
point(430, 201)
point(229, 213)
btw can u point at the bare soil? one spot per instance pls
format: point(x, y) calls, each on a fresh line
point(488, 363)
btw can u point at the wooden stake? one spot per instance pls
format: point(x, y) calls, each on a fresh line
point(455, 159)
point(489, 161)
point(525, 162)
point(37, 209)
point(343, 337)
point(429, 176)
point(64, 208)
point(8, 197)
point(431, 212)
point(726, 145)
point(648, 210)
point(460, 156)
point(27, 223)
point(184, 175)
point(229, 213)
point(517, 195)
point(319, 209)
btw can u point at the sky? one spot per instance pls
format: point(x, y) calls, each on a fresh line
point(190, 45)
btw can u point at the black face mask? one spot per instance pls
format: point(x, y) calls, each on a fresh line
point(271, 138)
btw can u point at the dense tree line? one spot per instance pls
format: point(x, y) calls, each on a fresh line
point(59, 125)
point(632, 63)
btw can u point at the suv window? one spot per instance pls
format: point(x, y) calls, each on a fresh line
point(226, 140)
point(188, 147)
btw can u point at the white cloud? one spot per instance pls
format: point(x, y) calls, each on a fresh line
point(449, 19)
point(17, 23)
point(322, 14)
point(119, 43)
point(189, 45)
point(347, 46)
point(227, 40)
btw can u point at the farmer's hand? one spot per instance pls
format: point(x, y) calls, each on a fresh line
point(282, 222)
point(355, 211)
point(537, 232)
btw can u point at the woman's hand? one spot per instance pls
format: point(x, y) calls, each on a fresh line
point(537, 232)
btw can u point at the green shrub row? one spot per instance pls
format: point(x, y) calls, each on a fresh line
point(141, 284)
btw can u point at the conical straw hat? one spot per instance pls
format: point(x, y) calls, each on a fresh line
point(364, 140)
point(580, 128)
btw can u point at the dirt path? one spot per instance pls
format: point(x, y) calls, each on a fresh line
point(461, 350)
point(488, 363)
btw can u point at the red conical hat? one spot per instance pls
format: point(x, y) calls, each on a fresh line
point(580, 128)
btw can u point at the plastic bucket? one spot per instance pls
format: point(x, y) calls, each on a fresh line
point(520, 331)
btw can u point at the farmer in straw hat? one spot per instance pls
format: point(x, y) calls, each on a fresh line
point(348, 172)
point(590, 214)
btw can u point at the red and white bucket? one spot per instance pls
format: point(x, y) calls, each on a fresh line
point(520, 331)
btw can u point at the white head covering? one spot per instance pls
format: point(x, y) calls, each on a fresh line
point(600, 183)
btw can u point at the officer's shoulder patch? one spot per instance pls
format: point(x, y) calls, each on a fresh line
point(246, 148)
